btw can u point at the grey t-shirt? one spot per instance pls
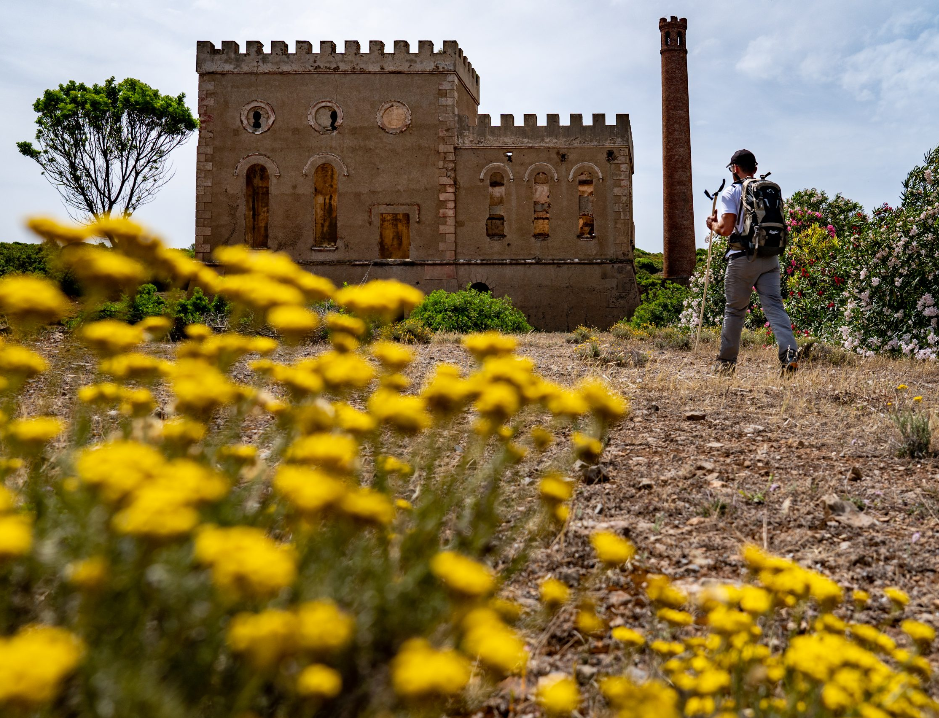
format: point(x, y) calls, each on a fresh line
point(729, 202)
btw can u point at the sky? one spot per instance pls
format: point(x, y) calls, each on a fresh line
point(840, 96)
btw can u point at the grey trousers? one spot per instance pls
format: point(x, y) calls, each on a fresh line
point(763, 274)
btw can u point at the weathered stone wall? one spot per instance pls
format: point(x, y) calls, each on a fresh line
point(402, 133)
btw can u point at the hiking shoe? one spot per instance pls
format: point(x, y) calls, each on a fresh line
point(789, 368)
point(725, 368)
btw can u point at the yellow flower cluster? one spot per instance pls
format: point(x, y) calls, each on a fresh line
point(16, 536)
point(34, 662)
point(245, 562)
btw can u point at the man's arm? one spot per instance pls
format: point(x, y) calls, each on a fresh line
point(724, 226)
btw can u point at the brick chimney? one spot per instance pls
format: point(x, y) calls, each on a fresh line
point(677, 202)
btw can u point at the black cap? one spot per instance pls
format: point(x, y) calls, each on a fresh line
point(744, 158)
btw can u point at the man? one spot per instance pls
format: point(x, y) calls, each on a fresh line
point(742, 274)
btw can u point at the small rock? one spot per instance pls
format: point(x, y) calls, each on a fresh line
point(586, 673)
point(705, 466)
point(786, 505)
point(855, 474)
point(696, 521)
point(717, 484)
point(846, 513)
point(714, 445)
point(695, 416)
point(753, 429)
point(596, 475)
point(844, 545)
point(712, 477)
point(646, 484)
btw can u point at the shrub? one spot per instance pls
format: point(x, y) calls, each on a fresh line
point(469, 311)
point(407, 331)
point(22, 258)
point(581, 334)
point(198, 309)
point(893, 297)
point(661, 306)
point(146, 303)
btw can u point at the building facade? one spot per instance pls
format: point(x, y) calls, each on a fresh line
point(376, 164)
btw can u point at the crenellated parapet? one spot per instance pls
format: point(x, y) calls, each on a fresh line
point(530, 133)
point(230, 59)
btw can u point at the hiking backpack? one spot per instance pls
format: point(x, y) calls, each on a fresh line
point(764, 227)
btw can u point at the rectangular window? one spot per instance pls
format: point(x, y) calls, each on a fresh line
point(395, 235)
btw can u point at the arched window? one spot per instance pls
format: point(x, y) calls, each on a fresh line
point(325, 223)
point(680, 40)
point(541, 206)
point(668, 38)
point(585, 224)
point(495, 223)
point(257, 205)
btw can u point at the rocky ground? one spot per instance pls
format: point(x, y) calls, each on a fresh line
point(806, 467)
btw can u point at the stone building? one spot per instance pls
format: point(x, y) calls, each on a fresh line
point(376, 164)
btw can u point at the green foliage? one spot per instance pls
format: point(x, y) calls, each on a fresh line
point(146, 303)
point(22, 258)
point(407, 331)
point(197, 309)
point(661, 306)
point(915, 433)
point(581, 334)
point(469, 311)
point(105, 148)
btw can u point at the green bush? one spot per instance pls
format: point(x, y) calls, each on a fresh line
point(469, 311)
point(22, 258)
point(661, 306)
point(146, 303)
point(407, 331)
point(197, 309)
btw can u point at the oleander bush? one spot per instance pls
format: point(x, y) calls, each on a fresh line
point(469, 310)
point(869, 283)
point(345, 561)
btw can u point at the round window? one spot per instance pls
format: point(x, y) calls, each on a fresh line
point(325, 116)
point(257, 117)
point(394, 117)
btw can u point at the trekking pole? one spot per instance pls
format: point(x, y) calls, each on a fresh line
point(707, 271)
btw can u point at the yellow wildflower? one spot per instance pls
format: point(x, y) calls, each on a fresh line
point(462, 574)
point(586, 448)
point(29, 436)
point(542, 438)
point(319, 682)
point(899, 598)
point(52, 230)
point(603, 401)
point(16, 535)
point(726, 621)
point(902, 387)
point(381, 298)
point(343, 372)
point(89, 574)
point(34, 663)
point(119, 467)
point(259, 292)
point(497, 646)
point(666, 648)
point(19, 364)
point(660, 590)
point(182, 432)
point(156, 512)
point(100, 269)
point(699, 706)
point(922, 634)
point(403, 413)
point(394, 382)
point(333, 452)
point(567, 404)
point(7, 500)
point(198, 332)
point(29, 300)
point(353, 421)
point(134, 366)
point(241, 453)
point(497, 402)
point(265, 638)
point(628, 636)
point(446, 392)
point(200, 388)
point(556, 489)
point(860, 598)
point(652, 698)
point(587, 621)
point(137, 402)
point(155, 327)
point(310, 491)
point(554, 594)
point(323, 627)
point(420, 671)
point(293, 322)
point(489, 344)
point(245, 561)
point(343, 343)
point(368, 506)
point(345, 323)
point(300, 381)
point(611, 549)
point(676, 618)
point(393, 357)
point(917, 399)
point(755, 600)
point(558, 695)
point(109, 336)
point(393, 465)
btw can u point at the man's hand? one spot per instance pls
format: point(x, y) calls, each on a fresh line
point(723, 226)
